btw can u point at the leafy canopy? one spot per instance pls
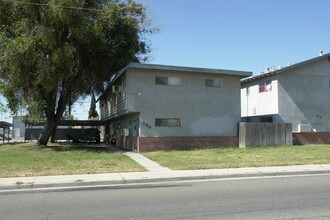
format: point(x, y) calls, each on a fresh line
point(55, 50)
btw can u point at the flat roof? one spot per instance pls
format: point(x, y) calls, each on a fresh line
point(188, 69)
point(242, 74)
point(284, 69)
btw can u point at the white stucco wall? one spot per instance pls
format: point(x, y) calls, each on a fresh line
point(300, 96)
point(204, 111)
point(255, 103)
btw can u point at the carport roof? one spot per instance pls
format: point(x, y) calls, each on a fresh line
point(77, 123)
point(81, 122)
point(4, 124)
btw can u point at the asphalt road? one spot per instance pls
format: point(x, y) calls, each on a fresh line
point(287, 197)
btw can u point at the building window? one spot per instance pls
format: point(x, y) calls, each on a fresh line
point(170, 81)
point(213, 83)
point(168, 122)
point(266, 119)
point(265, 86)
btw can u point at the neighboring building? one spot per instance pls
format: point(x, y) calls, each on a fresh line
point(156, 107)
point(298, 94)
point(18, 127)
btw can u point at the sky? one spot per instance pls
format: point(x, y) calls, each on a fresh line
point(238, 34)
point(247, 35)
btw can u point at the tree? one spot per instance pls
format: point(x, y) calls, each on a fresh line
point(92, 113)
point(3, 109)
point(53, 51)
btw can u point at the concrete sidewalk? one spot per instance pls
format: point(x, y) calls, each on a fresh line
point(131, 177)
point(146, 163)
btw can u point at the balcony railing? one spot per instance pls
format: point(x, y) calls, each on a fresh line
point(115, 105)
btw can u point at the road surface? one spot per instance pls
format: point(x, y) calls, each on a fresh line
point(282, 197)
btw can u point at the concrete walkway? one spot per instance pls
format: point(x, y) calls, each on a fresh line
point(146, 163)
point(159, 175)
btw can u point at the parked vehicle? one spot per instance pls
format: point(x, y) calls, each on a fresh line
point(91, 135)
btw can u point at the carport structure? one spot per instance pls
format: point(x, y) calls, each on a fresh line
point(68, 130)
point(5, 126)
point(81, 123)
point(73, 123)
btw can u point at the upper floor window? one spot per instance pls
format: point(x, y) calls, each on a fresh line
point(213, 83)
point(168, 122)
point(265, 86)
point(171, 81)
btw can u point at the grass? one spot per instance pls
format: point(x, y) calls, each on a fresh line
point(218, 158)
point(65, 159)
point(61, 159)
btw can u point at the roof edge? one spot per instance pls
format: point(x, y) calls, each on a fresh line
point(263, 75)
point(189, 69)
point(116, 76)
point(133, 65)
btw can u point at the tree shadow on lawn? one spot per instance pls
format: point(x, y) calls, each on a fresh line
point(94, 148)
point(12, 143)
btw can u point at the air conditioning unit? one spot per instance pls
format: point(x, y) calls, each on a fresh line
point(117, 89)
point(120, 88)
point(304, 128)
point(113, 89)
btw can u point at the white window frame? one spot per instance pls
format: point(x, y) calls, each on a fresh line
point(168, 122)
point(168, 81)
point(213, 83)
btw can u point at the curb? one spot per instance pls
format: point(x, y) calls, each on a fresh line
point(121, 183)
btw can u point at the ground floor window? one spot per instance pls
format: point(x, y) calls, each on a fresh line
point(266, 119)
point(168, 122)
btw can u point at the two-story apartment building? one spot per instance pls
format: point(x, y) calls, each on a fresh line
point(157, 107)
point(298, 94)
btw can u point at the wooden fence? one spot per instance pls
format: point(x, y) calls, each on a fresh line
point(264, 134)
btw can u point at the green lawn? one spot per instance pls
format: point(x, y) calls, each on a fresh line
point(26, 160)
point(233, 157)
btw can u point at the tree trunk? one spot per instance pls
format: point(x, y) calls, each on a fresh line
point(45, 134)
point(52, 137)
point(53, 117)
